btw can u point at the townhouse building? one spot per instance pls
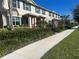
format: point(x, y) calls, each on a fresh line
point(24, 13)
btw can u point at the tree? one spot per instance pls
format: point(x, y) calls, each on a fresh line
point(76, 13)
point(66, 21)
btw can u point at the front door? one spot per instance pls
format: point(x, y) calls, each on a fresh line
point(25, 21)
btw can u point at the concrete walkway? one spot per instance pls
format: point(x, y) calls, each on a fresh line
point(38, 49)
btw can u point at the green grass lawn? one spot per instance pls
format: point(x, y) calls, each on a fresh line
point(66, 49)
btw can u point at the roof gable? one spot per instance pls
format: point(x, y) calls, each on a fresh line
point(31, 1)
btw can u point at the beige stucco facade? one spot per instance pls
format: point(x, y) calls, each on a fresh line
point(20, 12)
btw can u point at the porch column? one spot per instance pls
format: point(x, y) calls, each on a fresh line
point(20, 21)
point(30, 22)
point(15, 21)
point(35, 22)
point(42, 19)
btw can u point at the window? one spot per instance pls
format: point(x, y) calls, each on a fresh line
point(37, 10)
point(13, 19)
point(49, 14)
point(15, 3)
point(43, 12)
point(53, 15)
point(18, 2)
point(26, 6)
point(56, 15)
point(16, 20)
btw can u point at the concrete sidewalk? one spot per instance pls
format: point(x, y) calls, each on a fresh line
point(38, 49)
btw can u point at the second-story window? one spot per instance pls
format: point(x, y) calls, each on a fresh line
point(16, 3)
point(53, 15)
point(49, 14)
point(56, 16)
point(43, 12)
point(26, 6)
point(37, 10)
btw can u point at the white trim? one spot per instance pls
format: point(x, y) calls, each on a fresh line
point(30, 22)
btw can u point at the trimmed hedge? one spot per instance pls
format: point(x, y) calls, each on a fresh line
point(12, 40)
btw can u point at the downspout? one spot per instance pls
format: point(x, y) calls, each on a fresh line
point(10, 14)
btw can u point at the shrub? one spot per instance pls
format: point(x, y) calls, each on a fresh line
point(19, 37)
point(41, 24)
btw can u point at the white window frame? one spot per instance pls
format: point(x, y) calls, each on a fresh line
point(17, 3)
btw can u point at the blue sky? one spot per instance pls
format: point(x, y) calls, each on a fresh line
point(63, 7)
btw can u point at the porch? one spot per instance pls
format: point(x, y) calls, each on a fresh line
point(30, 20)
